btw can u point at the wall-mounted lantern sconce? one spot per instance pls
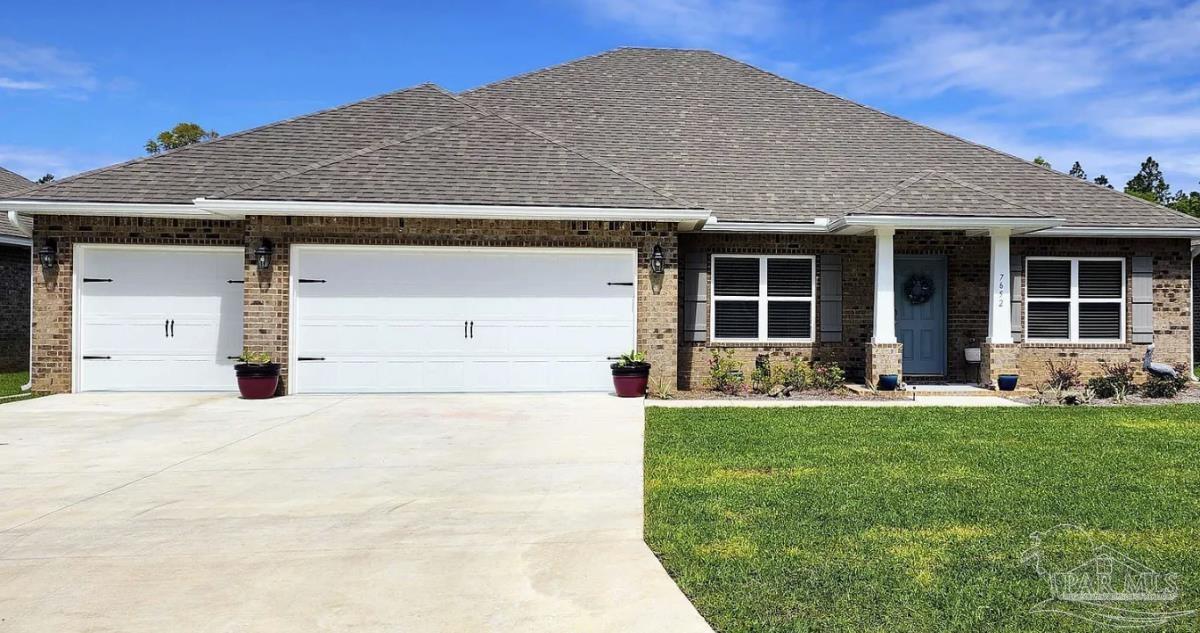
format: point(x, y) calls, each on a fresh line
point(48, 254)
point(263, 254)
point(658, 262)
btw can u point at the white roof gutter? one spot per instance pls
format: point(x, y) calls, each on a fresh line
point(862, 223)
point(818, 225)
point(1117, 231)
point(128, 209)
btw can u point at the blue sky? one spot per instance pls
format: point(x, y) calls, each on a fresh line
point(1104, 82)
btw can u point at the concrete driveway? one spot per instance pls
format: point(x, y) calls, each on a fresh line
point(177, 512)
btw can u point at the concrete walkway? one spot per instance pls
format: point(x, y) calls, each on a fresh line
point(366, 513)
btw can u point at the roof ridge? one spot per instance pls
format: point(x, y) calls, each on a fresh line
point(541, 70)
point(374, 147)
point(550, 139)
point(237, 134)
point(895, 190)
point(901, 119)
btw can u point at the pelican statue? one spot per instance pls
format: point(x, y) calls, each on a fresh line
point(1159, 370)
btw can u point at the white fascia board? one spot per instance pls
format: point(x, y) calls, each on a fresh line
point(818, 225)
point(944, 223)
point(9, 240)
point(1117, 231)
point(126, 209)
point(242, 208)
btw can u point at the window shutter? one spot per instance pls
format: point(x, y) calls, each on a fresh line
point(1016, 297)
point(831, 298)
point(694, 302)
point(1143, 299)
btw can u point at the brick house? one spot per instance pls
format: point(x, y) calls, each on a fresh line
point(515, 236)
point(15, 238)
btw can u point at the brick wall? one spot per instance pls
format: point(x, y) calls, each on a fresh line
point(52, 288)
point(1172, 305)
point(967, 261)
point(266, 317)
point(14, 307)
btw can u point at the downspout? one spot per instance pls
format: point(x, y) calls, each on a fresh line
point(1192, 297)
point(15, 220)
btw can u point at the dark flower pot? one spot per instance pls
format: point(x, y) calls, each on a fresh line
point(257, 382)
point(1007, 382)
point(888, 382)
point(630, 380)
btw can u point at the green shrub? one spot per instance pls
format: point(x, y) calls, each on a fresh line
point(725, 373)
point(828, 376)
point(1117, 381)
point(797, 374)
point(766, 377)
point(1157, 387)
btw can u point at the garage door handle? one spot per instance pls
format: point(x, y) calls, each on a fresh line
point(86, 357)
point(96, 280)
point(620, 283)
point(166, 328)
point(472, 329)
point(236, 281)
point(172, 328)
point(311, 281)
point(304, 358)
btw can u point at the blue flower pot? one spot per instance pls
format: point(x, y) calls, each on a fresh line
point(888, 382)
point(1007, 382)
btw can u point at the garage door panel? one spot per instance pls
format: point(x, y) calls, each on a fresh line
point(126, 341)
point(542, 320)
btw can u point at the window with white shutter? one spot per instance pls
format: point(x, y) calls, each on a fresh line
point(1078, 299)
point(763, 298)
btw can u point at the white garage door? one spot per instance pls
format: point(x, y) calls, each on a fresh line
point(456, 319)
point(157, 318)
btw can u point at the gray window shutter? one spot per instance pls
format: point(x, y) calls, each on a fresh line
point(831, 298)
point(1017, 297)
point(1143, 299)
point(693, 304)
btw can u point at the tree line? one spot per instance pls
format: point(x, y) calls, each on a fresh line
point(1147, 184)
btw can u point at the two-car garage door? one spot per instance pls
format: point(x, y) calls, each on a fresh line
point(363, 319)
point(368, 319)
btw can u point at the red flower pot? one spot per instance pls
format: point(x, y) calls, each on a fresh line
point(257, 382)
point(630, 380)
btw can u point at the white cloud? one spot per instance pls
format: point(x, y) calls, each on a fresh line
point(27, 67)
point(694, 22)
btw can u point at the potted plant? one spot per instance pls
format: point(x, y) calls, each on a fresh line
point(257, 376)
point(888, 382)
point(1007, 382)
point(630, 373)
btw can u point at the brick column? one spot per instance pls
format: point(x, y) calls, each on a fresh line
point(884, 358)
point(997, 359)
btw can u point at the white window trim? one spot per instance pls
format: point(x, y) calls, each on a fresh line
point(762, 299)
point(1075, 300)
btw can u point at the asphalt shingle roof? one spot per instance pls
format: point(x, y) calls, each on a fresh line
point(480, 160)
point(749, 145)
point(937, 193)
point(9, 183)
point(648, 128)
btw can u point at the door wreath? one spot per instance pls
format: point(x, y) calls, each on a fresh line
point(918, 289)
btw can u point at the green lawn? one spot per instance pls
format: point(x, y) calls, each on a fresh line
point(10, 382)
point(913, 519)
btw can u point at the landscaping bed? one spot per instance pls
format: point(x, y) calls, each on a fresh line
point(916, 519)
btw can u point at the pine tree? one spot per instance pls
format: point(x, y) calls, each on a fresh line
point(1077, 171)
point(1102, 180)
point(1149, 184)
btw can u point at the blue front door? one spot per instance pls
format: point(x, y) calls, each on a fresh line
point(921, 313)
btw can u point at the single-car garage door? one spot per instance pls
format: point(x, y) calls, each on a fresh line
point(157, 318)
point(379, 319)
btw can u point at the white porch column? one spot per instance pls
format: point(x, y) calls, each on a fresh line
point(885, 287)
point(999, 310)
